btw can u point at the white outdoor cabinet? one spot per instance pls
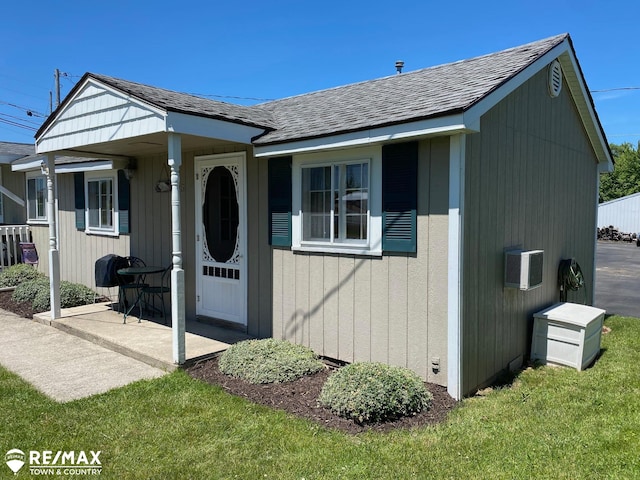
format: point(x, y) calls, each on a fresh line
point(567, 334)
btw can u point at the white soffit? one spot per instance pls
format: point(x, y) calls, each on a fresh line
point(448, 125)
point(98, 113)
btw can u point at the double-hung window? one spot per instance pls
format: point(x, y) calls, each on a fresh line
point(36, 197)
point(335, 203)
point(338, 204)
point(101, 201)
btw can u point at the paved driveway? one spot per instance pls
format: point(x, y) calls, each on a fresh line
point(618, 278)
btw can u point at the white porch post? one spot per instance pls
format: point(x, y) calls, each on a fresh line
point(54, 254)
point(177, 273)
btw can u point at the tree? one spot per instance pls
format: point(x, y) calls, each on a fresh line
point(625, 178)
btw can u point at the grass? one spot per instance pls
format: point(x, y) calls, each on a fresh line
point(552, 423)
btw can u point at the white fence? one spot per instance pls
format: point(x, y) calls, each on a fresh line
point(11, 236)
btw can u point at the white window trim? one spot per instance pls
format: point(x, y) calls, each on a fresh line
point(373, 246)
point(45, 219)
point(102, 175)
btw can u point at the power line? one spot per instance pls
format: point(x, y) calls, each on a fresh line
point(19, 119)
point(16, 124)
point(231, 96)
point(615, 89)
point(32, 113)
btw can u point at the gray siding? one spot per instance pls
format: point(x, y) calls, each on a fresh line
point(531, 183)
point(150, 227)
point(78, 251)
point(390, 309)
point(15, 182)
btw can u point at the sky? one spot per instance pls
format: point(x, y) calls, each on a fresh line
point(247, 51)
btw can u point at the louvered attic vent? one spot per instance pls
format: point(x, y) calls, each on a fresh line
point(555, 79)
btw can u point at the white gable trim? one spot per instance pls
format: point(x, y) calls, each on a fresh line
point(449, 125)
point(564, 53)
point(98, 113)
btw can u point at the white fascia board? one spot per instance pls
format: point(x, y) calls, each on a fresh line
point(495, 97)
point(96, 166)
point(582, 98)
point(210, 128)
point(448, 125)
point(33, 164)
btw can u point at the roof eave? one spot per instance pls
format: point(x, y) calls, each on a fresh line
point(451, 123)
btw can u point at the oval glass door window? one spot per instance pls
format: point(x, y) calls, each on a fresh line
point(220, 214)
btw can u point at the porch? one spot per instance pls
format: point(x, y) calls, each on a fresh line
point(149, 341)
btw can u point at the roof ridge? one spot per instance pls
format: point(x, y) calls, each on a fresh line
point(556, 38)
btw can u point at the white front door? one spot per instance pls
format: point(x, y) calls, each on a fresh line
point(221, 241)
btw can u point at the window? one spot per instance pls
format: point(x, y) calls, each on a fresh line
point(36, 197)
point(359, 201)
point(101, 202)
point(337, 202)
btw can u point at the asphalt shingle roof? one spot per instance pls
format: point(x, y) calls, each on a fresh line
point(411, 96)
point(22, 149)
point(191, 104)
point(421, 94)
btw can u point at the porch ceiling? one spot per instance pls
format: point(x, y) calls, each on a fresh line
point(144, 145)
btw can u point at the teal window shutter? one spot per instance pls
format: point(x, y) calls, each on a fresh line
point(280, 201)
point(78, 184)
point(123, 202)
point(399, 197)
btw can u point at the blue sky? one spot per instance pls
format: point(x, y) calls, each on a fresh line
point(266, 50)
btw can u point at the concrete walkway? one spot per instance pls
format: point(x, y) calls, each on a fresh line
point(62, 366)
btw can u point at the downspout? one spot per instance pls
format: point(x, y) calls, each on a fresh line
point(177, 273)
point(455, 270)
point(54, 254)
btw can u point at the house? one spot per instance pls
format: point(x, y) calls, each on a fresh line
point(12, 186)
point(623, 213)
point(14, 202)
point(368, 221)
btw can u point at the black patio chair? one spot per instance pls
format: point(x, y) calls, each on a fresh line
point(131, 283)
point(152, 292)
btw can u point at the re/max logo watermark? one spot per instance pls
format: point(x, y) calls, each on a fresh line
point(49, 462)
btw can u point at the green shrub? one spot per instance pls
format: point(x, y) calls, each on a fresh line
point(374, 392)
point(71, 295)
point(27, 291)
point(268, 361)
point(16, 274)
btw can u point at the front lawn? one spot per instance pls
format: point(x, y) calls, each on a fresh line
point(552, 423)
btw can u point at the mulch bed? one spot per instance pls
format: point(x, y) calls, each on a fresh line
point(21, 309)
point(300, 398)
point(297, 398)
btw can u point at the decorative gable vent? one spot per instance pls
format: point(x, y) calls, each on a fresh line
point(555, 79)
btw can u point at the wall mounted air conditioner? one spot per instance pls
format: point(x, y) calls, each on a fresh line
point(523, 269)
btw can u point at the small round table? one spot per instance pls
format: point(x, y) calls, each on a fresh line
point(140, 273)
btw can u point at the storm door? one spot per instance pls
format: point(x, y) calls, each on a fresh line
point(221, 273)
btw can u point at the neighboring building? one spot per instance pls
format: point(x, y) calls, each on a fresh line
point(623, 213)
point(12, 184)
point(368, 221)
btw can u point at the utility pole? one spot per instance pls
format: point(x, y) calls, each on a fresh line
point(56, 75)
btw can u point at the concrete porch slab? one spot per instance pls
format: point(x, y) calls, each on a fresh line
point(146, 341)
